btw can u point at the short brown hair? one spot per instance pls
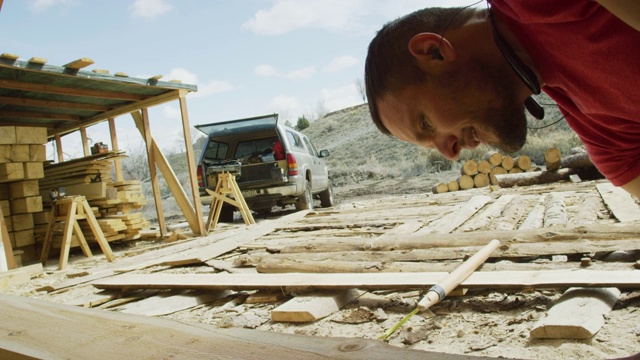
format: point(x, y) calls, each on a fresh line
point(390, 66)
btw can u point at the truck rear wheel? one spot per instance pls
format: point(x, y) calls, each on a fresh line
point(305, 202)
point(326, 197)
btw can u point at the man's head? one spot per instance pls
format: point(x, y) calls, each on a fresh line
point(449, 93)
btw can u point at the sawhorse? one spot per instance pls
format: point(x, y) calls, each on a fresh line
point(227, 185)
point(75, 208)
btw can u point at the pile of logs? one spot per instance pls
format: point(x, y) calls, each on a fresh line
point(574, 167)
point(482, 173)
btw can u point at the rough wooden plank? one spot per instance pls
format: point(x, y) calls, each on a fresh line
point(578, 314)
point(619, 202)
point(555, 213)
point(494, 279)
point(203, 254)
point(312, 307)
point(450, 222)
point(43, 330)
point(95, 299)
point(515, 248)
point(169, 302)
point(277, 266)
point(476, 238)
point(492, 211)
point(535, 218)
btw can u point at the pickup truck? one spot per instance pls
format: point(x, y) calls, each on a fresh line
point(274, 164)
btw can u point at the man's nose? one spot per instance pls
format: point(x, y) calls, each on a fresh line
point(448, 146)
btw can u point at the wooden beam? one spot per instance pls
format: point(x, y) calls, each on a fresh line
point(40, 328)
point(170, 177)
point(188, 145)
point(117, 163)
point(5, 100)
point(79, 64)
point(37, 115)
point(126, 109)
point(73, 91)
point(377, 281)
point(146, 134)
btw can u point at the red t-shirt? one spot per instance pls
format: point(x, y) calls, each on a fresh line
point(590, 63)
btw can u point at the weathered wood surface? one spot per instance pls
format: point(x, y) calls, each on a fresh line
point(578, 314)
point(283, 265)
point(312, 307)
point(619, 202)
point(534, 177)
point(45, 330)
point(593, 233)
point(398, 281)
point(511, 250)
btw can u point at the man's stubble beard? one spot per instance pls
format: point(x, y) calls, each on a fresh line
point(489, 99)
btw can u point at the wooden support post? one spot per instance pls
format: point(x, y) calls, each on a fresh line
point(170, 177)
point(75, 208)
point(59, 148)
point(117, 164)
point(188, 145)
point(85, 141)
point(227, 185)
point(6, 243)
point(153, 173)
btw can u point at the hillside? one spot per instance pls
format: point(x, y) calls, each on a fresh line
point(359, 151)
point(361, 155)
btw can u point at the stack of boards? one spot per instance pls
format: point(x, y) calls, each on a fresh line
point(113, 203)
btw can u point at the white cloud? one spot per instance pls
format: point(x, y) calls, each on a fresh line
point(213, 87)
point(285, 106)
point(288, 15)
point(182, 74)
point(304, 73)
point(268, 71)
point(265, 70)
point(149, 8)
point(342, 97)
point(42, 5)
point(171, 113)
point(340, 63)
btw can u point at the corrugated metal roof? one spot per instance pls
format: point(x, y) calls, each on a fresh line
point(65, 98)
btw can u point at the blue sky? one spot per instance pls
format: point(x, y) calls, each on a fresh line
point(247, 57)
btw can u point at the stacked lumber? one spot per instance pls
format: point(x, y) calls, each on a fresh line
point(482, 173)
point(113, 202)
point(22, 153)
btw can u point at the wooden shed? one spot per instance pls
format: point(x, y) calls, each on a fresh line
point(37, 98)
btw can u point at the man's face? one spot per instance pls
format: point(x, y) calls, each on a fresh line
point(457, 110)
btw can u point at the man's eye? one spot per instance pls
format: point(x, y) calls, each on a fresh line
point(424, 124)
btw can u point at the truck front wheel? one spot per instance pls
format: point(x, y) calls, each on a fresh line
point(305, 202)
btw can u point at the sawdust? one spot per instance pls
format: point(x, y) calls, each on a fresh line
point(488, 323)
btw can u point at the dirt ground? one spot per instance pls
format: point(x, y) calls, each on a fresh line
point(487, 323)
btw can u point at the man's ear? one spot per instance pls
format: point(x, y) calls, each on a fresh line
point(431, 46)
